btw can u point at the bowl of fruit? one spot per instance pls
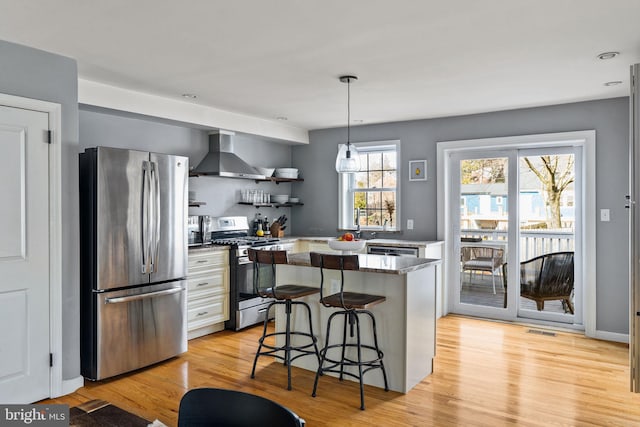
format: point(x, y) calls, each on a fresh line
point(347, 243)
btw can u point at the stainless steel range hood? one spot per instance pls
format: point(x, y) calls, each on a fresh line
point(222, 161)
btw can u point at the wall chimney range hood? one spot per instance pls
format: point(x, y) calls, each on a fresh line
point(222, 161)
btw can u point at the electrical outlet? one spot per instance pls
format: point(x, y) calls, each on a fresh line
point(409, 224)
point(605, 215)
point(335, 287)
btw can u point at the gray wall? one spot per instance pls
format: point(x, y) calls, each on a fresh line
point(102, 127)
point(610, 119)
point(32, 73)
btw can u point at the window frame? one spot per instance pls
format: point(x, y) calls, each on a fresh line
point(345, 188)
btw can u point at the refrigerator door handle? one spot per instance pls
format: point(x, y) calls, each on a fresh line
point(118, 300)
point(145, 242)
point(156, 217)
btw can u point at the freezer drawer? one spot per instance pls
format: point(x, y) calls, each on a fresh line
point(138, 327)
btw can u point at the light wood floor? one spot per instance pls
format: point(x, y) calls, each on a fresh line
point(486, 374)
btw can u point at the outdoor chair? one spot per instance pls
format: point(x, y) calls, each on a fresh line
point(482, 258)
point(544, 278)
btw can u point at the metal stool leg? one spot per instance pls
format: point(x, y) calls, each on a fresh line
point(287, 345)
point(323, 355)
point(375, 342)
point(261, 340)
point(315, 345)
point(357, 321)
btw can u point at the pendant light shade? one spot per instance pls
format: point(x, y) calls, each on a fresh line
point(348, 160)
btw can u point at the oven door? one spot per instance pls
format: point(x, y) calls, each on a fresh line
point(250, 308)
point(244, 286)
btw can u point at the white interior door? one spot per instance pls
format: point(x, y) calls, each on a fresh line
point(24, 256)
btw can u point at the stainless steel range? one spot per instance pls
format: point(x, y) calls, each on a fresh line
point(247, 307)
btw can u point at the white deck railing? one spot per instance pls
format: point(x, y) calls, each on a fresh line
point(532, 242)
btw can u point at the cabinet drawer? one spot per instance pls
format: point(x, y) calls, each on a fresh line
point(203, 260)
point(208, 312)
point(216, 280)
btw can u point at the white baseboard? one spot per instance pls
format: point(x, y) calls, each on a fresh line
point(612, 336)
point(69, 386)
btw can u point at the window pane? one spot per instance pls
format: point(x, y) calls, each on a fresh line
point(375, 179)
point(374, 208)
point(389, 160)
point(389, 179)
point(389, 208)
point(363, 161)
point(375, 161)
point(361, 180)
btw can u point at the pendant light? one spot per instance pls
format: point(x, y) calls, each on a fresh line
point(348, 160)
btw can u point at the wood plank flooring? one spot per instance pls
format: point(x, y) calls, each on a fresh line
point(486, 374)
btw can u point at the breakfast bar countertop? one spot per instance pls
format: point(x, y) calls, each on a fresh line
point(375, 263)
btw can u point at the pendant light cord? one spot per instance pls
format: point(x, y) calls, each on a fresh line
point(348, 116)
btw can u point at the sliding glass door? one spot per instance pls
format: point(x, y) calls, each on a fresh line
point(481, 184)
point(549, 203)
point(516, 208)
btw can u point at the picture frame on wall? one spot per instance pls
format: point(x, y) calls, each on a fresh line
point(417, 170)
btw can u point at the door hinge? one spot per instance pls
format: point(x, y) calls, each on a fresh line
point(51, 360)
point(49, 136)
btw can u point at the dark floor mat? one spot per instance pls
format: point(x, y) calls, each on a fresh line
point(98, 413)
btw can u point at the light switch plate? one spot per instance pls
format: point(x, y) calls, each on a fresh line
point(409, 224)
point(605, 215)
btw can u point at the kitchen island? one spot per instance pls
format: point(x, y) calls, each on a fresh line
point(405, 321)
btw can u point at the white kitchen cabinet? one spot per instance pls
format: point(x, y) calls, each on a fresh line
point(207, 291)
point(311, 244)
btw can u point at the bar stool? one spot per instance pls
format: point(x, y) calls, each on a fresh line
point(283, 294)
point(353, 305)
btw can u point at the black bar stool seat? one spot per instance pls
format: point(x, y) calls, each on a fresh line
point(353, 305)
point(283, 295)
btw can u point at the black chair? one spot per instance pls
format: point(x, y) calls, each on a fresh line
point(352, 305)
point(214, 407)
point(283, 295)
point(546, 277)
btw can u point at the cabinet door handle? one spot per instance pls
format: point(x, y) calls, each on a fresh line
point(202, 313)
point(202, 261)
point(202, 284)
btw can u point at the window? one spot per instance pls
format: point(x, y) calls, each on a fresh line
point(370, 197)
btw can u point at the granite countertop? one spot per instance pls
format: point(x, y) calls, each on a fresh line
point(403, 243)
point(379, 242)
point(375, 263)
point(208, 248)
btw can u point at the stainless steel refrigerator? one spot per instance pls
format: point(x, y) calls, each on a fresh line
point(133, 259)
